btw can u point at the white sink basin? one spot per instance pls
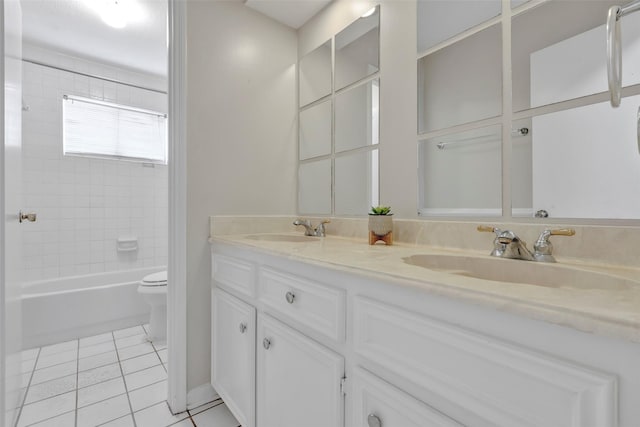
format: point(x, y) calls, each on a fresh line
point(297, 238)
point(521, 272)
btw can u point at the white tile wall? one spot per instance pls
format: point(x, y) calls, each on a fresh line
point(84, 204)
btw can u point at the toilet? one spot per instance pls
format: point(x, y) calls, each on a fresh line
point(153, 289)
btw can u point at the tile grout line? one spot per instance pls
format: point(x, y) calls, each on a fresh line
point(75, 421)
point(126, 388)
point(26, 390)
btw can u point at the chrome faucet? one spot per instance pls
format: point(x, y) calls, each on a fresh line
point(508, 245)
point(319, 231)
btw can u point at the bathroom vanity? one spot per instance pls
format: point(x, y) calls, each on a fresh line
point(333, 332)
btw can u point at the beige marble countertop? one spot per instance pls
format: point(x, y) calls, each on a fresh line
point(611, 311)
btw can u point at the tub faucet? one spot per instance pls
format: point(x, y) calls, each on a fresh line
point(319, 231)
point(508, 245)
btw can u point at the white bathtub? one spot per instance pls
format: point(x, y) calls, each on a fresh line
point(67, 308)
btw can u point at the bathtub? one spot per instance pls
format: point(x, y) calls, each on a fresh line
point(67, 308)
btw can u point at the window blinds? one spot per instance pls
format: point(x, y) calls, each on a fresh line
point(101, 129)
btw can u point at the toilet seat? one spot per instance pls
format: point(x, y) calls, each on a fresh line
point(155, 279)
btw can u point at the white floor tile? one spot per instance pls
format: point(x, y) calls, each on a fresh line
point(56, 359)
point(160, 345)
point(204, 407)
point(157, 416)
point(126, 421)
point(145, 377)
point(148, 396)
point(64, 420)
point(47, 408)
point(54, 372)
point(30, 354)
point(96, 339)
point(218, 416)
point(131, 340)
point(98, 375)
point(23, 379)
point(92, 350)
point(27, 365)
point(98, 360)
point(139, 363)
point(51, 388)
point(122, 333)
point(184, 423)
point(135, 351)
point(101, 412)
point(14, 398)
point(163, 355)
point(102, 391)
point(59, 348)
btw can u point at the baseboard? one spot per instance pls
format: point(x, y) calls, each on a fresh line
point(200, 395)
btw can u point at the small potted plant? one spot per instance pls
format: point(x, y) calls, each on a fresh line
point(380, 224)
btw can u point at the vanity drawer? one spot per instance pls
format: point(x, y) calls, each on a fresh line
point(233, 274)
point(378, 403)
point(309, 303)
point(489, 381)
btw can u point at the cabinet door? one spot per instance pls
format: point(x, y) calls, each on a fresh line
point(376, 403)
point(233, 354)
point(298, 379)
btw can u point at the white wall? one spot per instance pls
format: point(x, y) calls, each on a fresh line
point(241, 139)
point(84, 205)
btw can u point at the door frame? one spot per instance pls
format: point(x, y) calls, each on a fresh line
point(177, 260)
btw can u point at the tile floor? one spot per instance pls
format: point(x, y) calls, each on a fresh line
point(117, 379)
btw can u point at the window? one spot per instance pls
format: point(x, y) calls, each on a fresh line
point(100, 129)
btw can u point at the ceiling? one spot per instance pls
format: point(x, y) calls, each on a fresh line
point(293, 13)
point(76, 28)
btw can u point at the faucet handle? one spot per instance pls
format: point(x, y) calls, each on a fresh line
point(320, 231)
point(561, 232)
point(543, 247)
point(488, 229)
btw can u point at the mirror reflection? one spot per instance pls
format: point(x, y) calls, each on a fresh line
point(461, 173)
point(356, 117)
point(433, 29)
point(461, 82)
point(585, 162)
point(315, 74)
point(356, 188)
point(357, 50)
point(314, 187)
point(314, 136)
point(568, 59)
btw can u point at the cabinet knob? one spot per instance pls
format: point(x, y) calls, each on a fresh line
point(243, 327)
point(290, 296)
point(374, 421)
point(266, 343)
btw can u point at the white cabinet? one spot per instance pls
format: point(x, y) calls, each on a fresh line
point(282, 342)
point(233, 354)
point(376, 403)
point(299, 380)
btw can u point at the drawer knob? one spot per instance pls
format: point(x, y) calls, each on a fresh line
point(374, 421)
point(243, 327)
point(290, 296)
point(266, 343)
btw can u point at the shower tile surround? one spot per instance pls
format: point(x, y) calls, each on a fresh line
point(85, 204)
point(111, 379)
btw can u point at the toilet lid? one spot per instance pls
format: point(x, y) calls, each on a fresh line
point(155, 279)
